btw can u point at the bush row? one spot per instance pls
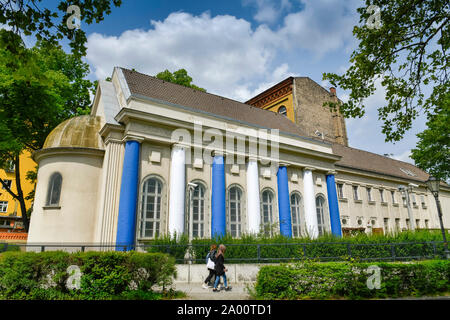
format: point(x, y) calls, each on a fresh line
point(251, 248)
point(87, 275)
point(312, 280)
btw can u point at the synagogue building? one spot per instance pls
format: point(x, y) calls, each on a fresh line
point(158, 158)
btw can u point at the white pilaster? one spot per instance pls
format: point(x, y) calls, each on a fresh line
point(253, 202)
point(177, 190)
point(312, 228)
point(106, 222)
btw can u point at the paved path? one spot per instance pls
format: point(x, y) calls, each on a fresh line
point(194, 291)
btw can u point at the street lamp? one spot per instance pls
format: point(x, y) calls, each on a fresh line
point(433, 185)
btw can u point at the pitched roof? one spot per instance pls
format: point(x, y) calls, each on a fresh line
point(368, 161)
point(144, 85)
point(148, 86)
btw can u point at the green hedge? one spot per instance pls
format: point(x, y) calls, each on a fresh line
point(104, 275)
point(313, 280)
point(328, 248)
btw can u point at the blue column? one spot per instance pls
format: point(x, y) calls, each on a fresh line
point(126, 223)
point(334, 206)
point(284, 204)
point(218, 218)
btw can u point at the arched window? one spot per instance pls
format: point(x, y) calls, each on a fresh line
point(54, 190)
point(296, 212)
point(151, 207)
point(267, 211)
point(196, 225)
point(320, 205)
point(234, 211)
point(282, 110)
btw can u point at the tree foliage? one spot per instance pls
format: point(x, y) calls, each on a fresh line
point(180, 77)
point(432, 152)
point(27, 17)
point(408, 55)
point(39, 88)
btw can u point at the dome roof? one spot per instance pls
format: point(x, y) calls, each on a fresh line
point(79, 132)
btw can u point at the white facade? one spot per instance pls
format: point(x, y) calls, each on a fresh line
point(88, 207)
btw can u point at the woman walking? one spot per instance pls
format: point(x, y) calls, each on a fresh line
point(210, 258)
point(220, 268)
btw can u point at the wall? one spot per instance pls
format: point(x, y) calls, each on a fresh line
point(74, 221)
point(311, 115)
point(377, 210)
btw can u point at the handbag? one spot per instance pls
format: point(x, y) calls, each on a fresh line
point(210, 264)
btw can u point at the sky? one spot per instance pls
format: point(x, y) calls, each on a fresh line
point(239, 48)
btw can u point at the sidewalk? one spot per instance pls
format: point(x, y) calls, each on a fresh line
point(194, 291)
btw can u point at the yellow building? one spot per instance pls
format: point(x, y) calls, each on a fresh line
point(10, 207)
point(302, 100)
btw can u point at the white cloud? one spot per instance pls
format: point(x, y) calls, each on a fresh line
point(322, 26)
point(267, 11)
point(404, 156)
point(221, 53)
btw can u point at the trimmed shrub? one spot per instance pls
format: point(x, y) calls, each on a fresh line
point(83, 275)
point(313, 280)
point(259, 249)
point(176, 246)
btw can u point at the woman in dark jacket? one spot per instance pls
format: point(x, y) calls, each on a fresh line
point(220, 268)
point(211, 256)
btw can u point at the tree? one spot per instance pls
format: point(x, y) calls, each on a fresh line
point(180, 77)
point(25, 18)
point(408, 54)
point(39, 88)
point(432, 152)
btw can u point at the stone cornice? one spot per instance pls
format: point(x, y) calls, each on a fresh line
point(276, 92)
point(66, 151)
point(127, 115)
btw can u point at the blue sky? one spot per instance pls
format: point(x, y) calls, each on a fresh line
point(239, 48)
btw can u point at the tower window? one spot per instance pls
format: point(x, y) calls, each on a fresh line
point(54, 190)
point(282, 110)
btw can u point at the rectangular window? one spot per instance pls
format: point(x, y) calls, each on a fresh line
point(8, 184)
point(426, 224)
point(386, 225)
point(369, 194)
point(408, 224)
point(340, 190)
point(422, 200)
point(382, 195)
point(417, 223)
point(393, 197)
point(355, 193)
point(3, 206)
point(10, 166)
point(413, 198)
point(397, 224)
